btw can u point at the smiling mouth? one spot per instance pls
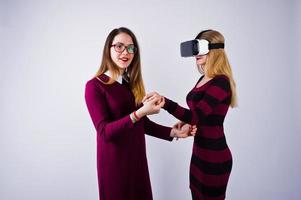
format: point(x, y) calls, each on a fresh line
point(124, 59)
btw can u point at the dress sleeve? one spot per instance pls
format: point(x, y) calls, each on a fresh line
point(98, 109)
point(218, 91)
point(156, 130)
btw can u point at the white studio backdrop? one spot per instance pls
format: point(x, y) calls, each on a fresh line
point(49, 49)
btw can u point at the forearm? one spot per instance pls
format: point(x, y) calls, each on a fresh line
point(179, 112)
point(157, 130)
point(113, 129)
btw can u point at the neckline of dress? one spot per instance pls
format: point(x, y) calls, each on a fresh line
point(195, 87)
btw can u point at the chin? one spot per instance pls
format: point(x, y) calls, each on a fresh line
point(122, 66)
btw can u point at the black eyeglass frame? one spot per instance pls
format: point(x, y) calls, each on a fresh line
point(125, 47)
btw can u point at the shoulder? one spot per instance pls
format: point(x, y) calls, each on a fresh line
point(92, 83)
point(221, 81)
point(100, 80)
point(221, 77)
point(95, 85)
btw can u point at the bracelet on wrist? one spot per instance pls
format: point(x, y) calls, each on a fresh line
point(134, 120)
point(136, 116)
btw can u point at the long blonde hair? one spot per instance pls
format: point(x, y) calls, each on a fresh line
point(133, 70)
point(217, 62)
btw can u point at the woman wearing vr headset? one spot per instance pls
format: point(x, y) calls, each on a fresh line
point(208, 103)
point(113, 98)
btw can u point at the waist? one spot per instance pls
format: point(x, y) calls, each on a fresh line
point(211, 143)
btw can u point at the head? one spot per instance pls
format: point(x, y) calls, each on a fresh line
point(216, 61)
point(121, 53)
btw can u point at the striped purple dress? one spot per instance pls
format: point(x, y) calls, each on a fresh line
point(211, 160)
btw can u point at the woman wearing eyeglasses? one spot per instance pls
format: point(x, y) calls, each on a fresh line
point(208, 103)
point(113, 98)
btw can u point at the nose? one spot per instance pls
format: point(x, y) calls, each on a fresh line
point(125, 51)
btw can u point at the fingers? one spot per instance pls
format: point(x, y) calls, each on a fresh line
point(153, 100)
point(182, 133)
point(154, 103)
point(179, 124)
point(161, 102)
point(151, 95)
point(193, 130)
point(183, 130)
point(151, 106)
point(147, 96)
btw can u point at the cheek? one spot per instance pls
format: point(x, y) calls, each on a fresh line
point(131, 58)
point(113, 55)
point(203, 60)
point(200, 61)
point(112, 52)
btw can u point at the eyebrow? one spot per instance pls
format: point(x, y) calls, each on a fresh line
point(124, 44)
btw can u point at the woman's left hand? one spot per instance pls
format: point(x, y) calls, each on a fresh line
point(182, 130)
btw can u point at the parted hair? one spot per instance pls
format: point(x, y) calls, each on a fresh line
point(133, 70)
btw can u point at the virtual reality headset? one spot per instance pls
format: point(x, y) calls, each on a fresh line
point(198, 47)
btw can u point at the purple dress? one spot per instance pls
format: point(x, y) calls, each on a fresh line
point(121, 153)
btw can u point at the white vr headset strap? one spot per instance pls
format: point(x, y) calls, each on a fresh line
point(205, 46)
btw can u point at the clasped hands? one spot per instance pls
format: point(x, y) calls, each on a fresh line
point(153, 102)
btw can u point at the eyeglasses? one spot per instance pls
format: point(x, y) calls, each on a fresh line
point(120, 47)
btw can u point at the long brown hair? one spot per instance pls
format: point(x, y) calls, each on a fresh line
point(133, 70)
point(217, 62)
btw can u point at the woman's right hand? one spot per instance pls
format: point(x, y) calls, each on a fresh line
point(151, 106)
